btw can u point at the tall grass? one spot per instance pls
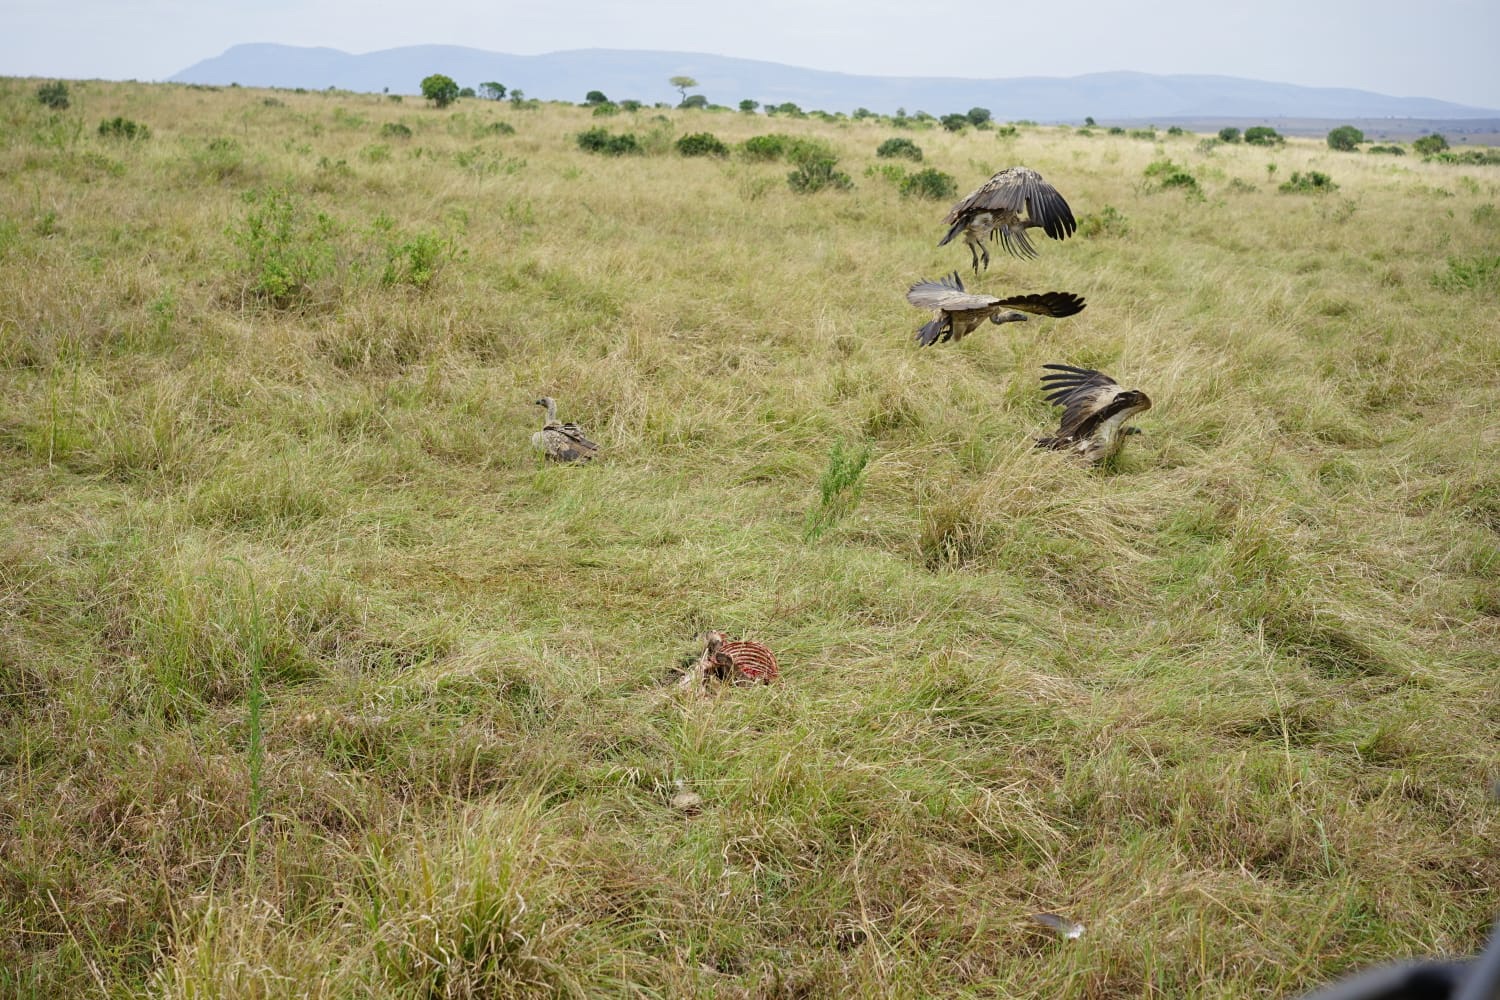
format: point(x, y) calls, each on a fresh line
point(314, 682)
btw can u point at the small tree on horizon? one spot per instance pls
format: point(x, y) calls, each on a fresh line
point(978, 116)
point(595, 97)
point(748, 106)
point(492, 91)
point(694, 101)
point(1345, 138)
point(682, 83)
point(1430, 144)
point(440, 89)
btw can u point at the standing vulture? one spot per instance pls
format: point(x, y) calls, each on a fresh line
point(561, 442)
point(1095, 409)
point(997, 207)
point(959, 312)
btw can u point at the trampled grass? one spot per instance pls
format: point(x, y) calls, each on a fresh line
point(264, 423)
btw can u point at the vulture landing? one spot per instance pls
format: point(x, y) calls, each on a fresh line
point(1095, 409)
point(996, 208)
point(562, 442)
point(959, 313)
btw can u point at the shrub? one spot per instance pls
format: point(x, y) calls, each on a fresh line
point(1166, 174)
point(595, 97)
point(607, 109)
point(495, 128)
point(1263, 135)
point(601, 140)
point(839, 489)
point(814, 173)
point(904, 148)
point(54, 95)
point(978, 116)
point(1312, 182)
point(694, 101)
point(1148, 134)
point(1106, 222)
point(701, 144)
point(220, 159)
point(440, 89)
point(1470, 157)
point(492, 91)
point(748, 106)
point(1345, 138)
point(764, 147)
point(123, 128)
point(1176, 130)
point(395, 130)
point(282, 252)
point(1387, 150)
point(1229, 134)
point(413, 260)
point(929, 183)
point(1470, 273)
point(629, 105)
point(954, 123)
point(1427, 145)
point(1007, 131)
point(1116, 130)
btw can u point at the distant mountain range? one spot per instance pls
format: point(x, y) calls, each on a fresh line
point(643, 75)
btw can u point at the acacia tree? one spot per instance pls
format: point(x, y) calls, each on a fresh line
point(1430, 144)
point(440, 89)
point(492, 91)
point(682, 83)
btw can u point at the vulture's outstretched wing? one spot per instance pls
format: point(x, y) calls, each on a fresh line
point(1083, 393)
point(947, 295)
point(1055, 304)
point(1012, 191)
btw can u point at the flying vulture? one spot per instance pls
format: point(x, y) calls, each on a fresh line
point(561, 442)
point(997, 207)
point(1095, 409)
point(959, 312)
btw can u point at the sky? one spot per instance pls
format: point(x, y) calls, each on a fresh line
point(1436, 48)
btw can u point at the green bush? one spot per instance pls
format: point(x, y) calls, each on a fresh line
point(123, 128)
point(701, 144)
point(1106, 222)
point(1345, 138)
point(764, 147)
point(607, 109)
point(814, 173)
point(1166, 174)
point(1312, 182)
point(54, 95)
point(395, 130)
point(954, 123)
point(1229, 134)
point(1176, 130)
point(931, 184)
point(1007, 131)
point(1116, 130)
point(413, 260)
point(1428, 144)
point(282, 251)
point(601, 140)
point(1263, 135)
point(904, 148)
point(1387, 150)
point(1148, 134)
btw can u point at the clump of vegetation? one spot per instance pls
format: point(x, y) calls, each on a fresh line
point(1345, 138)
point(496, 128)
point(1263, 135)
point(395, 130)
point(764, 147)
point(1149, 134)
point(284, 249)
point(954, 122)
point(818, 171)
point(1176, 130)
point(1470, 273)
point(53, 95)
point(1164, 174)
point(1311, 182)
point(601, 140)
point(413, 260)
point(931, 184)
point(220, 159)
point(1387, 150)
point(701, 144)
point(1468, 157)
point(1108, 221)
point(839, 488)
point(440, 90)
point(1429, 145)
point(1006, 131)
point(1229, 134)
point(123, 128)
point(902, 147)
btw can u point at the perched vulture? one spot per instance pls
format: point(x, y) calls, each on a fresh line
point(1095, 409)
point(959, 312)
point(997, 207)
point(561, 442)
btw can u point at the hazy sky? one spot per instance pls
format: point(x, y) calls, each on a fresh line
point(1437, 48)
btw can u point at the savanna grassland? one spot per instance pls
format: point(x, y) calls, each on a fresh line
point(316, 682)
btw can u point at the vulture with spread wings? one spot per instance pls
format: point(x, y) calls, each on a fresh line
point(959, 313)
point(1095, 409)
point(1014, 200)
point(561, 442)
